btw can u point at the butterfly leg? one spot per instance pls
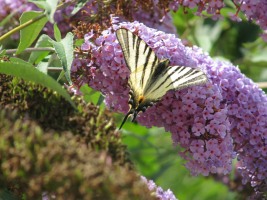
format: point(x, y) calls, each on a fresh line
point(126, 117)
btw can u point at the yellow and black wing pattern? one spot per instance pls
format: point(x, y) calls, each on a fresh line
point(150, 78)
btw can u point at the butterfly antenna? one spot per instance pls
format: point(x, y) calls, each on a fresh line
point(125, 118)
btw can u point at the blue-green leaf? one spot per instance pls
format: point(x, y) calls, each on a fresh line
point(64, 50)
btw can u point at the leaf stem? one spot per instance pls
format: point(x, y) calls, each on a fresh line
point(18, 28)
point(11, 51)
point(262, 84)
point(55, 69)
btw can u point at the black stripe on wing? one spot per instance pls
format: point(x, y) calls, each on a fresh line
point(191, 77)
point(187, 77)
point(174, 77)
point(136, 49)
point(146, 64)
point(138, 56)
point(160, 70)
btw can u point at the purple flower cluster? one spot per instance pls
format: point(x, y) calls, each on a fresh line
point(158, 191)
point(9, 6)
point(62, 18)
point(214, 123)
point(196, 117)
point(156, 17)
point(247, 114)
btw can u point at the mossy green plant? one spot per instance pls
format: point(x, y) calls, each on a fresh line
point(48, 148)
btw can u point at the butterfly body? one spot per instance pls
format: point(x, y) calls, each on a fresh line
point(150, 78)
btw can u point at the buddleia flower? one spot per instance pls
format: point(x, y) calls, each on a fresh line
point(158, 191)
point(214, 123)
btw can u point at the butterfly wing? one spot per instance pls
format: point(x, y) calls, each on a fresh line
point(150, 79)
point(167, 78)
point(140, 59)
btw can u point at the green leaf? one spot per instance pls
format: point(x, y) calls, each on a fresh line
point(61, 75)
point(39, 3)
point(182, 21)
point(100, 100)
point(50, 7)
point(91, 95)
point(37, 56)
point(7, 195)
point(18, 61)
point(27, 72)
point(255, 51)
point(42, 67)
point(7, 19)
point(79, 5)
point(31, 32)
point(64, 50)
point(2, 52)
point(57, 33)
point(79, 42)
point(207, 33)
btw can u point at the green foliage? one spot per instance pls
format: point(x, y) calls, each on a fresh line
point(91, 95)
point(38, 56)
point(57, 33)
point(49, 7)
point(64, 50)
point(31, 32)
point(79, 5)
point(71, 154)
point(156, 158)
point(70, 171)
point(7, 19)
point(7, 195)
point(254, 61)
point(26, 71)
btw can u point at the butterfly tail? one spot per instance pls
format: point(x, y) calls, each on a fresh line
point(125, 118)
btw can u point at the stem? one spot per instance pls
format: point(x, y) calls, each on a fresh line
point(55, 69)
point(11, 51)
point(18, 28)
point(262, 84)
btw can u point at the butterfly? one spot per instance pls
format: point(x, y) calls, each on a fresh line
point(151, 78)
